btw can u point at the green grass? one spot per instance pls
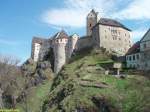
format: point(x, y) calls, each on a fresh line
point(127, 95)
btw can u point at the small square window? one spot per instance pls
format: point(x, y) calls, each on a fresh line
point(137, 56)
point(133, 57)
point(145, 45)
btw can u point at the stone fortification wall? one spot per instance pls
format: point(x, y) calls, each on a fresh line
point(45, 48)
point(84, 42)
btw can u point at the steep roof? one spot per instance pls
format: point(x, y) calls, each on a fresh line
point(145, 35)
point(38, 40)
point(93, 11)
point(134, 49)
point(60, 35)
point(111, 22)
point(73, 35)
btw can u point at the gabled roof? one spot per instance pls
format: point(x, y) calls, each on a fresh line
point(134, 49)
point(59, 35)
point(38, 40)
point(145, 34)
point(111, 22)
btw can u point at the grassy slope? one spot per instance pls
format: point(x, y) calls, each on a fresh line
point(126, 95)
point(35, 98)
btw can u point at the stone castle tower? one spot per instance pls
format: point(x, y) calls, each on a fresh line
point(59, 47)
point(92, 19)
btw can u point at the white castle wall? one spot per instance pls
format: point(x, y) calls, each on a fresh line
point(71, 46)
point(37, 47)
point(120, 41)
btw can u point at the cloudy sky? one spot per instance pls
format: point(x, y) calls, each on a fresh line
point(20, 20)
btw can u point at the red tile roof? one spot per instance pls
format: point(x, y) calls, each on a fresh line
point(134, 49)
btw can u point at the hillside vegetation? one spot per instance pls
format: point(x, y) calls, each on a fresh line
point(82, 86)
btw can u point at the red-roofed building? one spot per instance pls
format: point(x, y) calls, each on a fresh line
point(138, 56)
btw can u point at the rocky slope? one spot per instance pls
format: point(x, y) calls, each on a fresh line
point(16, 83)
point(82, 86)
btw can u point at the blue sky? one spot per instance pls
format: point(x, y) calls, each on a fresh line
point(20, 20)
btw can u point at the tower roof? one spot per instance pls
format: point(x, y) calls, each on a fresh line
point(93, 12)
point(38, 40)
point(60, 35)
point(111, 22)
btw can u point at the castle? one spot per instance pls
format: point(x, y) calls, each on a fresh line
point(107, 33)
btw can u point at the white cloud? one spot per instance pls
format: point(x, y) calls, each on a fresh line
point(137, 9)
point(138, 34)
point(74, 12)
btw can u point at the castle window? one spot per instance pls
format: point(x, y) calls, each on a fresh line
point(137, 56)
point(114, 38)
point(113, 32)
point(130, 58)
point(90, 25)
point(146, 65)
point(130, 65)
point(125, 34)
point(133, 57)
point(145, 45)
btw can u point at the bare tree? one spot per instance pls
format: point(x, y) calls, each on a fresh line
point(11, 79)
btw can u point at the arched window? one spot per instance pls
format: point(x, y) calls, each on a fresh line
point(90, 25)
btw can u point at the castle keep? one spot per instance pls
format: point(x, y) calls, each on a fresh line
point(107, 33)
